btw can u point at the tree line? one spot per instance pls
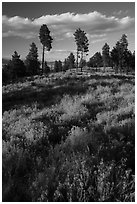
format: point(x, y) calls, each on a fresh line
point(119, 58)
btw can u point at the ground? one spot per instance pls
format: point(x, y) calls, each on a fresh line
point(69, 137)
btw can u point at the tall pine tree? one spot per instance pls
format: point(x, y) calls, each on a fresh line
point(31, 62)
point(71, 61)
point(82, 44)
point(46, 41)
point(105, 55)
point(120, 55)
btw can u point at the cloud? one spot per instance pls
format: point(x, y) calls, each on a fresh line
point(98, 40)
point(60, 54)
point(62, 51)
point(19, 27)
point(12, 33)
point(64, 25)
point(117, 12)
point(96, 36)
point(69, 35)
point(120, 12)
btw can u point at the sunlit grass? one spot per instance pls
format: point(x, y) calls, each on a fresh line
point(62, 132)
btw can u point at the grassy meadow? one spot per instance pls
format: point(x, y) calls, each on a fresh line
point(69, 137)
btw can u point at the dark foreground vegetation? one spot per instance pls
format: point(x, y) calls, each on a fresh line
point(69, 137)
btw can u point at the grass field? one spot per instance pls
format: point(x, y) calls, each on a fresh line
point(69, 137)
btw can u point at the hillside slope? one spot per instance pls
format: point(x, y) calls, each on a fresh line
point(69, 137)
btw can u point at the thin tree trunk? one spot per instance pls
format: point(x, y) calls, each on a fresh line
point(116, 69)
point(104, 67)
point(43, 59)
point(81, 60)
point(77, 61)
point(104, 64)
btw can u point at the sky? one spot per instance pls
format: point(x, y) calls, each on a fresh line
point(103, 22)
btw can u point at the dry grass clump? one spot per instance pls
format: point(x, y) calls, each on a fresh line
point(69, 137)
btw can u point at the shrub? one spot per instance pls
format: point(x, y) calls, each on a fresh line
point(72, 108)
point(75, 144)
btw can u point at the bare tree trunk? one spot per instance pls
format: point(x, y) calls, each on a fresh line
point(81, 60)
point(116, 69)
point(77, 61)
point(104, 64)
point(127, 69)
point(104, 67)
point(43, 59)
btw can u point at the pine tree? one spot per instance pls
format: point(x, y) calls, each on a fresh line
point(82, 44)
point(115, 58)
point(71, 61)
point(96, 60)
point(65, 65)
point(105, 55)
point(123, 41)
point(16, 66)
point(56, 67)
point(31, 62)
point(127, 60)
point(82, 63)
point(46, 41)
point(46, 68)
point(120, 53)
point(6, 74)
point(60, 66)
point(132, 64)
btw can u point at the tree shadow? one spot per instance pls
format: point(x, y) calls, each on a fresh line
point(50, 94)
point(43, 95)
point(124, 78)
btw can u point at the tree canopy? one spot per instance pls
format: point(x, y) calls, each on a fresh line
point(46, 40)
point(82, 44)
point(105, 55)
point(31, 62)
point(16, 66)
